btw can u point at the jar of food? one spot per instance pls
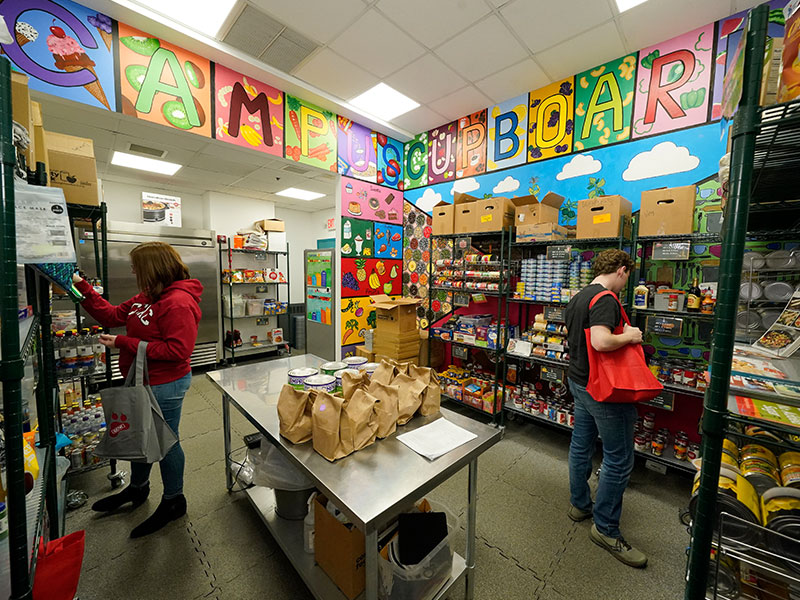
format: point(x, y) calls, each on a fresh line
point(789, 459)
point(690, 375)
point(640, 442)
point(681, 447)
point(650, 421)
point(672, 306)
point(657, 446)
point(790, 476)
point(693, 451)
point(758, 451)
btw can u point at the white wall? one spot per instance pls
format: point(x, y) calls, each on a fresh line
point(124, 203)
point(228, 213)
point(303, 230)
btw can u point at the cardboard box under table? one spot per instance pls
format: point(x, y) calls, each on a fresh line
point(73, 168)
point(339, 550)
point(667, 211)
point(604, 217)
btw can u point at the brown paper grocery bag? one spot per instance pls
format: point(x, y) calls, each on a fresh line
point(400, 368)
point(358, 427)
point(352, 382)
point(410, 398)
point(294, 414)
point(432, 395)
point(386, 407)
point(325, 420)
point(384, 373)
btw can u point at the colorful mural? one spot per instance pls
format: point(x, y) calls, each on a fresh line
point(672, 85)
point(371, 202)
point(416, 257)
point(357, 315)
point(673, 159)
point(551, 120)
point(369, 276)
point(357, 150)
point(416, 162)
point(249, 113)
point(179, 98)
point(388, 240)
point(310, 134)
point(507, 141)
point(471, 148)
point(442, 146)
point(356, 238)
point(604, 103)
point(390, 162)
point(66, 49)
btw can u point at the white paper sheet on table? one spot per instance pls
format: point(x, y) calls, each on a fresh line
point(436, 439)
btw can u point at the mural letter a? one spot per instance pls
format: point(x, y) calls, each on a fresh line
point(661, 93)
point(152, 85)
point(596, 107)
point(259, 104)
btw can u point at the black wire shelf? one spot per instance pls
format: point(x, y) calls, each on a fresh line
point(777, 161)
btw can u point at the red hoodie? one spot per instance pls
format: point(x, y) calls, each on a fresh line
point(169, 325)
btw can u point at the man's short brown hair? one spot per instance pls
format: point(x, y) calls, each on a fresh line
point(609, 261)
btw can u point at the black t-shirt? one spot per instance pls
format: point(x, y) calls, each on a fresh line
point(579, 317)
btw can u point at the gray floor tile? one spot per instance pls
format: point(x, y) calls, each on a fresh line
point(200, 421)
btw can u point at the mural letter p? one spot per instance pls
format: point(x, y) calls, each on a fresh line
point(661, 93)
point(311, 121)
point(509, 135)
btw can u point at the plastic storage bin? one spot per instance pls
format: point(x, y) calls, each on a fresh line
point(424, 580)
point(238, 306)
point(254, 306)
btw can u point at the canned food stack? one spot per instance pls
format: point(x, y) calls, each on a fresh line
point(84, 424)
point(526, 398)
point(679, 372)
point(646, 439)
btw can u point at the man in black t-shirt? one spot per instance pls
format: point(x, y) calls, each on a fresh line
point(614, 422)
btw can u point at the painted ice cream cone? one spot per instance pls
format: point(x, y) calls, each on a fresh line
point(103, 25)
point(70, 57)
point(25, 33)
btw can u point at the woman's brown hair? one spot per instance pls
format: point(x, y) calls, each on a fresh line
point(157, 266)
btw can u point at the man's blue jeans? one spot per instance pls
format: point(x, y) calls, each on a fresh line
point(170, 399)
point(615, 423)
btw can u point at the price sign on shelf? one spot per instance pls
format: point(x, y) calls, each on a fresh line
point(461, 352)
point(261, 256)
point(664, 401)
point(262, 321)
point(666, 326)
point(671, 250)
point(479, 298)
point(553, 374)
point(461, 299)
point(559, 252)
point(554, 313)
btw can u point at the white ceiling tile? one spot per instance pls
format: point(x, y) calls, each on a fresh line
point(319, 20)
point(463, 102)
point(740, 5)
point(569, 58)
point(442, 19)
point(426, 79)
point(335, 75)
point(482, 49)
point(654, 22)
point(203, 177)
point(513, 81)
point(377, 45)
point(543, 24)
point(217, 164)
point(499, 3)
point(420, 119)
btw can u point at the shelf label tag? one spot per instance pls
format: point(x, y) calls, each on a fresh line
point(479, 298)
point(554, 374)
point(671, 250)
point(559, 252)
point(664, 401)
point(667, 326)
point(460, 299)
point(554, 313)
point(461, 352)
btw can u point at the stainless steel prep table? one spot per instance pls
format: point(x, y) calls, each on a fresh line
point(371, 486)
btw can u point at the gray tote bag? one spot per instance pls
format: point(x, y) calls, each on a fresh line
point(135, 427)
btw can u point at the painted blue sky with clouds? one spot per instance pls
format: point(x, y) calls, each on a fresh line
point(669, 160)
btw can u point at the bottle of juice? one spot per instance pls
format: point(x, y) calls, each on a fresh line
point(640, 293)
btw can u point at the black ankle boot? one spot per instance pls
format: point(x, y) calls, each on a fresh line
point(167, 511)
point(135, 495)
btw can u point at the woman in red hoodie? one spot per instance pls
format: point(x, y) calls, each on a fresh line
point(165, 314)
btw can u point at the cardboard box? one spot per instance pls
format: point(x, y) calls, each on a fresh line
point(39, 137)
point(339, 550)
point(542, 232)
point(604, 217)
point(464, 212)
point(271, 224)
point(397, 345)
point(494, 214)
point(73, 168)
point(442, 218)
point(430, 356)
point(770, 78)
point(667, 211)
point(368, 354)
point(529, 210)
point(21, 111)
point(398, 359)
point(395, 315)
point(276, 241)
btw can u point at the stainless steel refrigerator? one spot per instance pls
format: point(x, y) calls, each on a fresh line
point(198, 250)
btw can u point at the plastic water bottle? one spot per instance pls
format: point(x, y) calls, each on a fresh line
point(308, 526)
point(85, 353)
point(69, 354)
point(99, 350)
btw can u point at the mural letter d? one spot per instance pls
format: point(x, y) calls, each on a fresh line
point(660, 94)
point(311, 121)
point(509, 136)
point(152, 84)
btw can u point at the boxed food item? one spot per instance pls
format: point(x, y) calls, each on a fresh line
point(667, 211)
point(398, 315)
point(529, 210)
point(271, 225)
point(537, 232)
point(771, 77)
point(442, 218)
point(464, 213)
point(339, 550)
point(790, 71)
point(73, 168)
point(277, 335)
point(604, 217)
point(493, 214)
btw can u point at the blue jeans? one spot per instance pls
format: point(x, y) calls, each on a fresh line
point(170, 399)
point(615, 423)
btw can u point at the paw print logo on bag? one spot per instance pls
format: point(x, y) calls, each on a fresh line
point(118, 424)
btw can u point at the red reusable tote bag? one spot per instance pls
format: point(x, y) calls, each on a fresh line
point(621, 375)
point(58, 568)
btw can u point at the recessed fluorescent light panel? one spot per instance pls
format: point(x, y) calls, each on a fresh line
point(162, 167)
point(299, 194)
point(624, 5)
point(206, 16)
point(384, 102)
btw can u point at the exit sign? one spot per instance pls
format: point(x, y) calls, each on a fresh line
point(331, 224)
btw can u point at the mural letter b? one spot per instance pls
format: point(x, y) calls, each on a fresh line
point(510, 135)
